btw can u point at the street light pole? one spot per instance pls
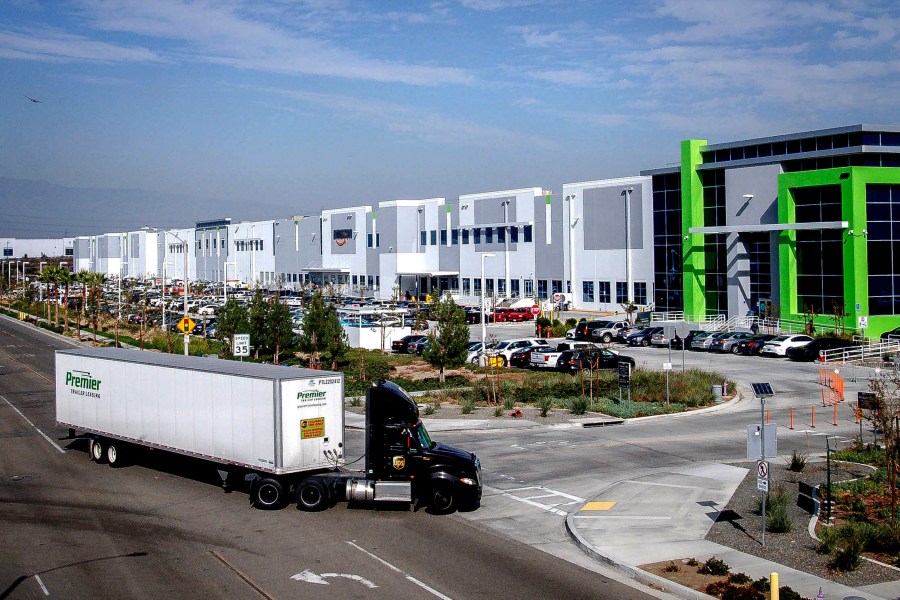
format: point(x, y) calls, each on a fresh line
point(483, 315)
point(628, 292)
point(506, 247)
point(225, 270)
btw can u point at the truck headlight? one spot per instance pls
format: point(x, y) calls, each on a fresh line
point(468, 481)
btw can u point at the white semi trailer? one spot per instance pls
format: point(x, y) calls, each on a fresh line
point(281, 428)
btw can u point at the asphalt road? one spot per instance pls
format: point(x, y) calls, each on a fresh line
point(163, 528)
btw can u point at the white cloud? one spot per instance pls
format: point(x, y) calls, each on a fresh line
point(57, 46)
point(425, 125)
point(570, 77)
point(234, 34)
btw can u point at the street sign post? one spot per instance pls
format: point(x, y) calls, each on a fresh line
point(241, 345)
point(667, 366)
point(763, 391)
point(624, 380)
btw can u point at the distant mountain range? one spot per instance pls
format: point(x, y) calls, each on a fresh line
point(40, 209)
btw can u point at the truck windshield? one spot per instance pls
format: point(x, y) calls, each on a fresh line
point(422, 434)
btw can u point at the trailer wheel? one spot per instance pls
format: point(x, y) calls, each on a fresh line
point(97, 450)
point(441, 500)
point(312, 495)
point(269, 494)
point(115, 455)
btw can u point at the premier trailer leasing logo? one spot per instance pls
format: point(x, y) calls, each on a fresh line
point(81, 383)
point(310, 395)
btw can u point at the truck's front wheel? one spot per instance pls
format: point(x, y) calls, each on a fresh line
point(268, 494)
point(441, 500)
point(312, 495)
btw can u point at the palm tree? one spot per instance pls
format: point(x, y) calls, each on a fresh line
point(55, 274)
point(82, 278)
point(95, 282)
point(66, 278)
point(46, 277)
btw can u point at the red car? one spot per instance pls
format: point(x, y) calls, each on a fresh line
point(519, 315)
point(500, 315)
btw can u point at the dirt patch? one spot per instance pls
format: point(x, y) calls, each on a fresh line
point(685, 574)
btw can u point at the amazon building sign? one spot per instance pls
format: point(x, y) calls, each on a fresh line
point(343, 241)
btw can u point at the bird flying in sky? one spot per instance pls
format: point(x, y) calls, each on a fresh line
point(34, 100)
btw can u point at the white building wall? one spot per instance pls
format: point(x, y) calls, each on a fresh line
point(594, 214)
point(19, 248)
point(344, 252)
point(172, 244)
point(252, 248)
point(512, 261)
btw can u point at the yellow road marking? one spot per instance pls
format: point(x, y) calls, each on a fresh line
point(598, 506)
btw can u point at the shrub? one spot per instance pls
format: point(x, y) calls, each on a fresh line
point(509, 401)
point(578, 406)
point(739, 578)
point(356, 401)
point(429, 409)
point(798, 461)
point(498, 411)
point(780, 520)
point(692, 562)
point(544, 405)
point(714, 566)
point(467, 405)
point(671, 567)
point(787, 593)
point(761, 584)
point(847, 557)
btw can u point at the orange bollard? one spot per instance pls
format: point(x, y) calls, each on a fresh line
point(835, 415)
point(813, 424)
point(791, 414)
point(823, 397)
point(767, 415)
point(858, 413)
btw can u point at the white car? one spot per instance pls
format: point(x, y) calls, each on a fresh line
point(505, 348)
point(778, 346)
point(570, 334)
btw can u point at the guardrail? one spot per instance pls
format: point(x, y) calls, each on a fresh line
point(859, 354)
point(667, 317)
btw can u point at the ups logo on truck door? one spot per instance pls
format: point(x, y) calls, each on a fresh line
point(399, 463)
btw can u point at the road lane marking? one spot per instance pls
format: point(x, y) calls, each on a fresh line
point(623, 517)
point(41, 583)
point(243, 577)
point(422, 585)
point(551, 508)
point(27, 420)
point(310, 577)
point(671, 485)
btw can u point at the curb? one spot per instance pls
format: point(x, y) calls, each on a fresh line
point(643, 577)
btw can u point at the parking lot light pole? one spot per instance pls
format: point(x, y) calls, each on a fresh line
point(483, 315)
point(225, 270)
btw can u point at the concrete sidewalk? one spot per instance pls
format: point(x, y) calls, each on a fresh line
point(666, 516)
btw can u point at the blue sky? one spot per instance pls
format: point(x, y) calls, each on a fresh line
point(326, 103)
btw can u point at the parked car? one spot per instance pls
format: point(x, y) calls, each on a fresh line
point(475, 351)
point(499, 315)
point(605, 333)
point(642, 337)
point(521, 358)
point(585, 329)
point(810, 351)
point(683, 343)
point(573, 361)
point(520, 314)
point(892, 335)
point(547, 358)
point(473, 315)
point(504, 349)
point(413, 346)
point(705, 342)
point(778, 346)
point(401, 346)
point(752, 346)
point(729, 343)
point(570, 334)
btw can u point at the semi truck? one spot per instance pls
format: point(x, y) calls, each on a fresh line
point(278, 429)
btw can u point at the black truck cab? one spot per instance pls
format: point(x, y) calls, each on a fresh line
point(400, 455)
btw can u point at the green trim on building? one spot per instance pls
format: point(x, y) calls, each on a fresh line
point(694, 259)
point(853, 182)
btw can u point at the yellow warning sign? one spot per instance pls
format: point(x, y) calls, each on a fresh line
point(186, 325)
point(312, 428)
